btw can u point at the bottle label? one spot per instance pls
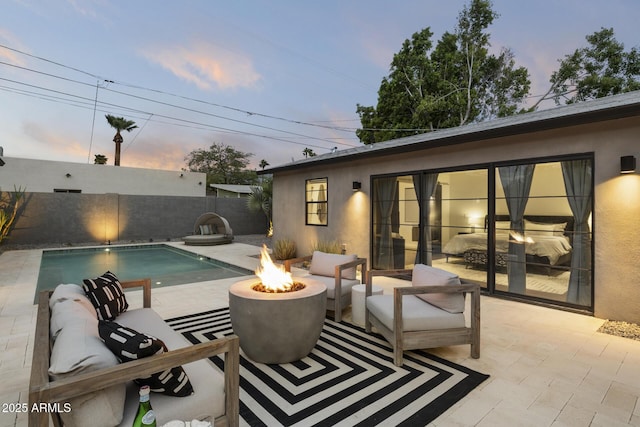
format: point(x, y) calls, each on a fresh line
point(149, 417)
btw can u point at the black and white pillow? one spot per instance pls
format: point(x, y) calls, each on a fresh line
point(128, 344)
point(106, 295)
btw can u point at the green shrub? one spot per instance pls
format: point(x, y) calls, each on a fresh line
point(284, 249)
point(330, 247)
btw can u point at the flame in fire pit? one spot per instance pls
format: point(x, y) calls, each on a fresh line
point(274, 278)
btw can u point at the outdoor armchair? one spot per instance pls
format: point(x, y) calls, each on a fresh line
point(337, 272)
point(430, 313)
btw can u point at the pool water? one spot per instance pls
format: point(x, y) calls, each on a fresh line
point(165, 265)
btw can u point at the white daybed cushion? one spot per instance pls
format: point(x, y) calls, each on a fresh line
point(330, 283)
point(417, 315)
point(79, 349)
point(207, 380)
point(324, 264)
point(425, 275)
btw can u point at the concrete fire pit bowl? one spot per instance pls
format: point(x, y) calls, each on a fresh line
point(277, 327)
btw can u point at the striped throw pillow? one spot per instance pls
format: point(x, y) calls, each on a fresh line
point(106, 295)
point(128, 344)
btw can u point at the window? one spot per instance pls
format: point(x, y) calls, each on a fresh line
point(316, 205)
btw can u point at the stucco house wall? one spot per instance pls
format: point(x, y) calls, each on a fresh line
point(616, 230)
point(44, 176)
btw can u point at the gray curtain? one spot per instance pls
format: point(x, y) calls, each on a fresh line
point(425, 185)
point(577, 176)
point(386, 193)
point(516, 183)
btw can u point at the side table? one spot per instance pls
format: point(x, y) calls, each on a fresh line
point(358, 302)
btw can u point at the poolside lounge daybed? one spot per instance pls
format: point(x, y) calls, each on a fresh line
point(210, 229)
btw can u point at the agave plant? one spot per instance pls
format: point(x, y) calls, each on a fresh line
point(9, 206)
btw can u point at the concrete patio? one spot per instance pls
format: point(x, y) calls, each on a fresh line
point(547, 367)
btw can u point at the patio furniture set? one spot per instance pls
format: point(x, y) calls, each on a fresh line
point(79, 346)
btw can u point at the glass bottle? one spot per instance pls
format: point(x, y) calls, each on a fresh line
point(145, 416)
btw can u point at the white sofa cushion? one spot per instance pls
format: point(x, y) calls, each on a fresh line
point(78, 349)
point(330, 283)
point(324, 264)
point(207, 400)
point(64, 292)
point(417, 315)
point(67, 312)
point(425, 275)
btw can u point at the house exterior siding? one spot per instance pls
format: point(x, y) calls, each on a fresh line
point(616, 232)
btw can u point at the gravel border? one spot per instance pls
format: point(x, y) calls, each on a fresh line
point(621, 329)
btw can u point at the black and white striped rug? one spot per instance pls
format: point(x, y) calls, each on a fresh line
point(348, 379)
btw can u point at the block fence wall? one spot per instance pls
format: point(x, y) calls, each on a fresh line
point(61, 218)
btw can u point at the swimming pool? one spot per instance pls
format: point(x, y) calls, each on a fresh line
point(165, 265)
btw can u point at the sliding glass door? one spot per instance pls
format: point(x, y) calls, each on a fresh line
point(519, 228)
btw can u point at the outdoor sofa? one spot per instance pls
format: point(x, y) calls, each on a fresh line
point(88, 386)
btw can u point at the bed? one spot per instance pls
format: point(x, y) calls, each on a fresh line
point(546, 239)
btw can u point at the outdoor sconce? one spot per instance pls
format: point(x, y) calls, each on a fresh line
point(627, 164)
point(68, 175)
point(357, 185)
point(200, 183)
point(181, 175)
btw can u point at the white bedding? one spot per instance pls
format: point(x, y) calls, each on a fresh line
point(551, 247)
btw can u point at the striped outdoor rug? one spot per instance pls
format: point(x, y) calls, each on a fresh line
point(348, 379)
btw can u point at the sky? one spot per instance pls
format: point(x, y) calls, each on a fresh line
point(266, 77)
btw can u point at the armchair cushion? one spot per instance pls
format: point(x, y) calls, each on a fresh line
point(330, 283)
point(425, 275)
point(324, 264)
point(417, 315)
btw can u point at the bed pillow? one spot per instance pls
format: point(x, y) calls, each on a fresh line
point(128, 344)
point(544, 229)
point(425, 275)
point(106, 295)
point(324, 264)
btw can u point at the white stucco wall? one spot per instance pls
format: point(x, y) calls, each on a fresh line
point(617, 199)
point(43, 176)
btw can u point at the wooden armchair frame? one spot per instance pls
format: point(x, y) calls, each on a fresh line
point(339, 302)
point(43, 390)
point(410, 340)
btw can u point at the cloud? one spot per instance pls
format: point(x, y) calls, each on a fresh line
point(206, 65)
point(8, 39)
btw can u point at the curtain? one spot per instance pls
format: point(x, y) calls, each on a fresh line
point(577, 176)
point(386, 193)
point(516, 183)
point(425, 185)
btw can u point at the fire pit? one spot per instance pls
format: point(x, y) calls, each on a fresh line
point(277, 317)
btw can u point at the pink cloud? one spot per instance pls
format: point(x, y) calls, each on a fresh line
point(7, 38)
point(206, 65)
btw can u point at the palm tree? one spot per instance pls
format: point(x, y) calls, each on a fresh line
point(260, 199)
point(100, 159)
point(263, 164)
point(308, 152)
point(119, 124)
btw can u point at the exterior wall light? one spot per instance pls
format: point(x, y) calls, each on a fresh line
point(357, 185)
point(181, 175)
point(627, 164)
point(68, 175)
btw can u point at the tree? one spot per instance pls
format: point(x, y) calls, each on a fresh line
point(260, 200)
point(455, 83)
point(308, 152)
point(119, 124)
point(601, 69)
point(100, 159)
point(263, 164)
point(222, 164)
